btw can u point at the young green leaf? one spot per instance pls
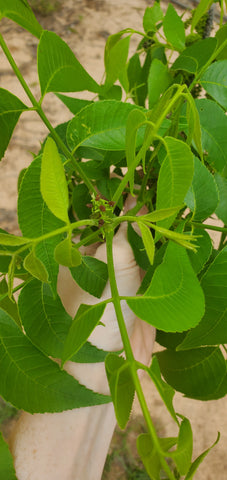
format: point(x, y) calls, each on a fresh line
point(151, 17)
point(196, 373)
point(194, 129)
point(7, 470)
point(121, 387)
point(44, 318)
point(166, 391)
point(159, 79)
point(202, 196)
point(174, 301)
point(58, 68)
point(73, 104)
point(161, 214)
point(12, 240)
point(212, 330)
point(35, 219)
point(213, 123)
point(10, 110)
point(7, 304)
point(148, 241)
point(183, 453)
point(136, 119)
point(195, 56)
point(198, 460)
point(174, 28)
point(53, 183)
point(33, 382)
point(204, 249)
point(86, 319)
point(175, 177)
point(137, 245)
point(34, 266)
point(102, 126)
point(214, 82)
point(91, 275)
point(116, 55)
point(21, 13)
point(67, 254)
point(202, 8)
point(149, 455)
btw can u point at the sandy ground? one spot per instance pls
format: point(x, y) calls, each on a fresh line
point(85, 25)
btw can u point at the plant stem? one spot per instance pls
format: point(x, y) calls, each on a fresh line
point(43, 116)
point(129, 352)
point(205, 226)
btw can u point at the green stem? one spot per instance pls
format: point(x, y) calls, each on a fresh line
point(43, 117)
point(129, 352)
point(205, 226)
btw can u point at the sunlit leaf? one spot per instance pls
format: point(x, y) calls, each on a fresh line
point(173, 28)
point(159, 80)
point(10, 110)
point(7, 470)
point(20, 12)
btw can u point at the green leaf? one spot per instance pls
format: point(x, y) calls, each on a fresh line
point(34, 266)
point(44, 318)
point(8, 305)
point(35, 219)
point(193, 58)
point(136, 119)
point(161, 214)
point(53, 183)
point(214, 140)
point(194, 129)
point(108, 186)
point(138, 249)
point(12, 240)
point(198, 460)
point(166, 392)
point(202, 8)
point(20, 12)
point(212, 330)
point(196, 373)
point(101, 125)
point(121, 387)
point(149, 455)
point(91, 275)
point(221, 38)
point(58, 68)
point(159, 79)
point(81, 197)
point(86, 319)
point(174, 300)
point(183, 453)
point(7, 470)
point(151, 17)
point(73, 104)
point(174, 28)
point(202, 196)
point(214, 81)
point(175, 177)
point(67, 254)
point(148, 241)
point(10, 110)
point(221, 210)
point(34, 383)
point(88, 353)
point(204, 249)
point(116, 54)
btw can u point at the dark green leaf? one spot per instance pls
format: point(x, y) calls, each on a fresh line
point(31, 381)
point(101, 125)
point(137, 245)
point(121, 387)
point(91, 275)
point(67, 254)
point(194, 57)
point(88, 353)
point(196, 373)
point(8, 305)
point(44, 318)
point(221, 38)
point(174, 28)
point(214, 81)
point(214, 140)
point(35, 219)
point(7, 471)
point(212, 330)
point(53, 184)
point(20, 12)
point(221, 210)
point(204, 249)
point(202, 196)
point(10, 110)
point(73, 104)
point(81, 197)
point(174, 300)
point(86, 319)
point(159, 80)
point(58, 68)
